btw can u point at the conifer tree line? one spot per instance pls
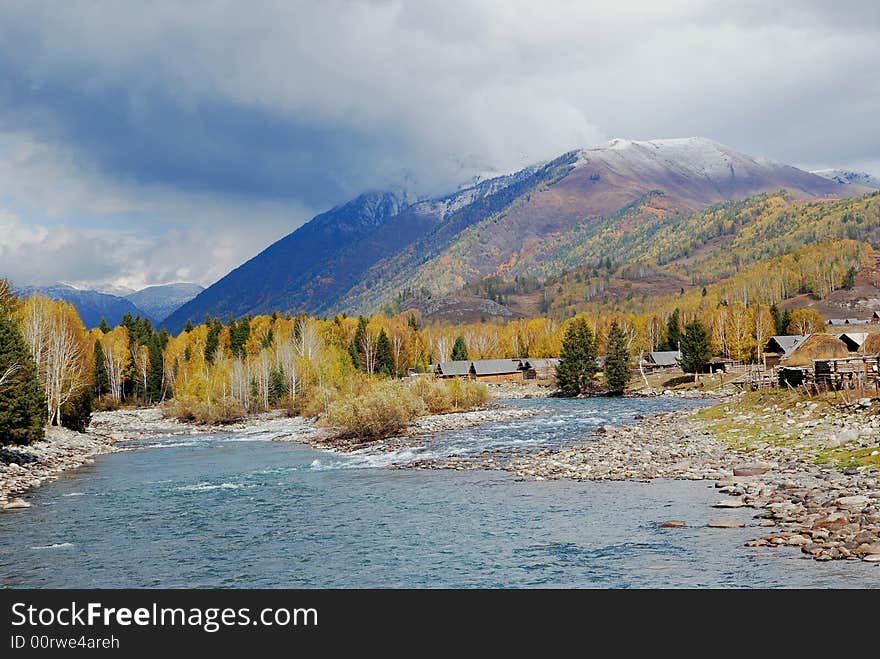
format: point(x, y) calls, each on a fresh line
point(54, 371)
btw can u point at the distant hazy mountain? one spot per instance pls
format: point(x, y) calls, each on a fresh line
point(848, 177)
point(91, 305)
point(378, 249)
point(118, 291)
point(160, 301)
point(155, 302)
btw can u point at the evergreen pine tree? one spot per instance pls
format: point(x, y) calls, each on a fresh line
point(777, 319)
point(23, 411)
point(238, 336)
point(354, 355)
point(695, 350)
point(268, 339)
point(673, 331)
point(76, 413)
point(104, 327)
point(102, 381)
point(459, 349)
point(384, 355)
point(784, 322)
point(617, 366)
point(356, 349)
point(212, 341)
point(577, 368)
point(157, 369)
point(277, 388)
point(188, 327)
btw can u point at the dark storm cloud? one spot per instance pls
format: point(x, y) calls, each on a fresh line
point(211, 144)
point(229, 123)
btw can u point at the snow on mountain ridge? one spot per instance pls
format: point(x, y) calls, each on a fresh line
point(849, 177)
point(688, 158)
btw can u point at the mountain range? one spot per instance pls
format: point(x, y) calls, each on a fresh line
point(154, 302)
point(380, 250)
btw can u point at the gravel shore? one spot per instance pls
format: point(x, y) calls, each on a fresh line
point(26, 467)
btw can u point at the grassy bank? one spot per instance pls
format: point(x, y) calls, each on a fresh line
point(836, 428)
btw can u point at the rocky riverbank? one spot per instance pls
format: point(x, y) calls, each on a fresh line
point(669, 445)
point(149, 422)
point(775, 460)
point(26, 467)
point(521, 389)
point(714, 394)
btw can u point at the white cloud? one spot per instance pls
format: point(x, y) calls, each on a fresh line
point(372, 93)
point(76, 225)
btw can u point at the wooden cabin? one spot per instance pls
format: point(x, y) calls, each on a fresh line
point(456, 369)
point(838, 322)
point(662, 360)
point(779, 347)
point(496, 370)
point(853, 372)
point(853, 340)
point(540, 368)
point(792, 376)
point(721, 364)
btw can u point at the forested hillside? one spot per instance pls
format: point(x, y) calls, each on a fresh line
point(587, 212)
point(771, 245)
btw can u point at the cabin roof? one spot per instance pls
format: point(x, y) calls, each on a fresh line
point(495, 366)
point(664, 357)
point(853, 339)
point(460, 367)
point(540, 362)
point(785, 344)
point(849, 321)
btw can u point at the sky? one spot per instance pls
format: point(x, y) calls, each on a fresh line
point(146, 143)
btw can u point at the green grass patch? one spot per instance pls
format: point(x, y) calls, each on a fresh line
point(758, 418)
point(843, 458)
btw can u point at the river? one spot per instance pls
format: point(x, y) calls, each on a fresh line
point(242, 511)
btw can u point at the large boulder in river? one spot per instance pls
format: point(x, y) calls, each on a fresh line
point(726, 524)
point(16, 504)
